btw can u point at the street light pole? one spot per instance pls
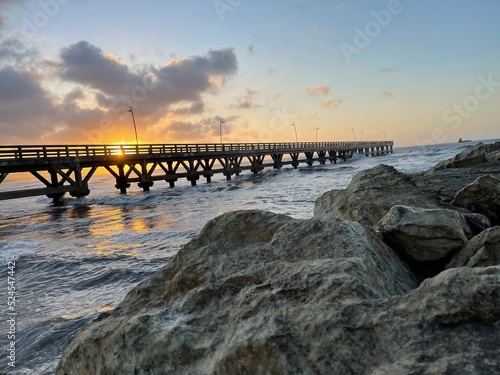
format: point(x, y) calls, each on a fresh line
point(135, 127)
point(385, 138)
point(221, 121)
point(296, 138)
point(317, 134)
point(354, 134)
point(362, 131)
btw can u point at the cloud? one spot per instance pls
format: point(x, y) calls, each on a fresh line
point(276, 95)
point(317, 90)
point(245, 101)
point(86, 64)
point(156, 88)
point(99, 87)
point(387, 94)
point(251, 49)
point(387, 70)
point(332, 103)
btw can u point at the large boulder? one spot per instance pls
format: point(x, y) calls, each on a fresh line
point(422, 235)
point(449, 325)
point(467, 158)
point(275, 302)
point(371, 194)
point(448, 177)
point(482, 196)
point(482, 251)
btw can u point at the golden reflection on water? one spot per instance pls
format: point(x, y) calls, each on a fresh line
point(117, 221)
point(113, 222)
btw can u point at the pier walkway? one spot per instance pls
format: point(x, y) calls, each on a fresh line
point(69, 168)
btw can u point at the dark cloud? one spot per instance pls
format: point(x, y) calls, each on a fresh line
point(27, 110)
point(103, 88)
point(154, 89)
point(86, 64)
point(15, 51)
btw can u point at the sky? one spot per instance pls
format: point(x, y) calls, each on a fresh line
point(412, 71)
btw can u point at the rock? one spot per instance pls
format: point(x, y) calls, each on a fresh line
point(278, 302)
point(467, 158)
point(482, 196)
point(422, 235)
point(477, 223)
point(482, 251)
point(493, 155)
point(371, 194)
point(447, 178)
point(449, 325)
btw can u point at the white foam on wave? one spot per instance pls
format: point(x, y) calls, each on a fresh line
point(11, 251)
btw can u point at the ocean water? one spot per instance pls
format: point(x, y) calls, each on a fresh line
point(80, 258)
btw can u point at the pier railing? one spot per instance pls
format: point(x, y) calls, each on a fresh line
point(68, 168)
point(58, 151)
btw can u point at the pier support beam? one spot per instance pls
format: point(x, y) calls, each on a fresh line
point(121, 180)
point(54, 182)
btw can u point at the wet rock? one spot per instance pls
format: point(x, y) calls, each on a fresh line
point(493, 155)
point(482, 196)
point(371, 194)
point(482, 251)
point(477, 223)
point(422, 235)
point(467, 158)
point(448, 177)
point(276, 303)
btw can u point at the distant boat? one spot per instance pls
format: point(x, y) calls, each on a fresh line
point(462, 140)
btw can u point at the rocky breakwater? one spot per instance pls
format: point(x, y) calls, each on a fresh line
point(261, 293)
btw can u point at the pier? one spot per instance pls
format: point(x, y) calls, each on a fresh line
point(69, 168)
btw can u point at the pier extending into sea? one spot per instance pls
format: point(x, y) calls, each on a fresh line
point(69, 168)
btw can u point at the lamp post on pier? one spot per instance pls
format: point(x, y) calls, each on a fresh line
point(296, 138)
point(362, 131)
point(385, 138)
point(317, 135)
point(131, 110)
point(354, 134)
point(221, 121)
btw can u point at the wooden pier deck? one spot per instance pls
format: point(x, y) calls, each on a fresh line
point(69, 168)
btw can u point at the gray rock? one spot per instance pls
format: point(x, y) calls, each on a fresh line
point(467, 158)
point(421, 235)
point(371, 194)
point(448, 177)
point(493, 155)
point(482, 251)
point(449, 325)
point(276, 303)
point(482, 196)
point(477, 223)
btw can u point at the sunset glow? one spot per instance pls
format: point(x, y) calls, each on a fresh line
point(416, 72)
